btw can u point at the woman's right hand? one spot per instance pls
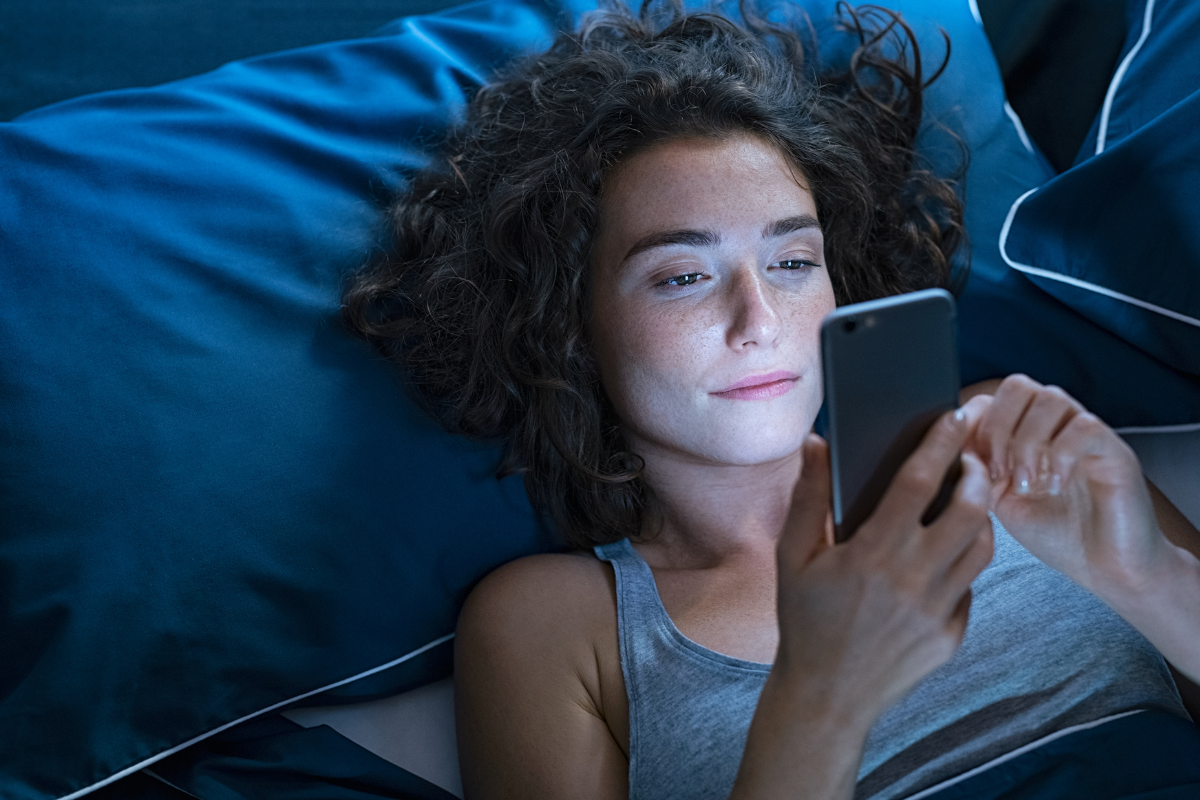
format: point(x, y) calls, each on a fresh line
point(866, 620)
point(862, 622)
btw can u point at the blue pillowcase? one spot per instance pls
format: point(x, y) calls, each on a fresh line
point(1117, 237)
point(215, 502)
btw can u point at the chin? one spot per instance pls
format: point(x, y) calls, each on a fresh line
point(743, 435)
point(756, 444)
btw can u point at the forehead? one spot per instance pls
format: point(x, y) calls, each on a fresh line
point(688, 182)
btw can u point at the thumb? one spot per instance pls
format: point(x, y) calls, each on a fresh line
point(804, 533)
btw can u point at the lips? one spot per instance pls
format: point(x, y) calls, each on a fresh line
point(760, 387)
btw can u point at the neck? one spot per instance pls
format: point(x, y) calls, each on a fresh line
point(703, 514)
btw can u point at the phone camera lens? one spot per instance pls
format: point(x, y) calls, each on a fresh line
point(849, 325)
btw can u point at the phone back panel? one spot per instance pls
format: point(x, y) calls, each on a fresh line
point(890, 369)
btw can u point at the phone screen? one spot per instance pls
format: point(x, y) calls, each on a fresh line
point(890, 368)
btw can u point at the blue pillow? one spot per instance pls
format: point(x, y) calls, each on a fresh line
point(1117, 237)
point(213, 501)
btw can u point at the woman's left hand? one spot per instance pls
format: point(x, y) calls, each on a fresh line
point(1069, 489)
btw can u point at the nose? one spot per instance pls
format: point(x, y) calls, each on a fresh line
point(754, 318)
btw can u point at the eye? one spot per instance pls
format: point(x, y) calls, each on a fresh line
point(795, 263)
point(687, 279)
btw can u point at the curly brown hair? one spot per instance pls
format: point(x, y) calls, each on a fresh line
point(483, 298)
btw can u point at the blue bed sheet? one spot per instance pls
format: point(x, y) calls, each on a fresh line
point(1151, 755)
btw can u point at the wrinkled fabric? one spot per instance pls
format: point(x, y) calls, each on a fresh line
point(213, 499)
point(1117, 237)
point(272, 758)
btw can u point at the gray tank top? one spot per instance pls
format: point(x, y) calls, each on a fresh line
point(1040, 655)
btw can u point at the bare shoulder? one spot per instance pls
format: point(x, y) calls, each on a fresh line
point(545, 597)
point(538, 689)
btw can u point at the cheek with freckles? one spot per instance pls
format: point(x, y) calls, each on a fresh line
point(653, 364)
point(658, 376)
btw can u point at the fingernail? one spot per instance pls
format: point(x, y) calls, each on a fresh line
point(1021, 479)
point(959, 415)
point(1055, 484)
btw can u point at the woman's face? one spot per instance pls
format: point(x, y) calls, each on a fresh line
point(709, 287)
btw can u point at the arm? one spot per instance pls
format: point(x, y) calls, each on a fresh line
point(1181, 533)
point(1072, 492)
point(1163, 603)
point(862, 622)
point(800, 744)
point(529, 687)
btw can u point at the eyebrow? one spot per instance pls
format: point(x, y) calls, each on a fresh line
point(782, 227)
point(708, 238)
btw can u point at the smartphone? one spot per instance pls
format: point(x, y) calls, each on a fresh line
point(891, 369)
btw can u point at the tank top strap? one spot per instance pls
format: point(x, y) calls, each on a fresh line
point(646, 631)
point(640, 612)
point(683, 697)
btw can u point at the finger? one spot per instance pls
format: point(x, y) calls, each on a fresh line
point(1048, 413)
point(1084, 436)
point(810, 511)
point(955, 531)
point(983, 403)
point(920, 477)
point(972, 561)
point(995, 430)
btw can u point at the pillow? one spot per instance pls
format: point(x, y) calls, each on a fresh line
point(1117, 237)
point(215, 502)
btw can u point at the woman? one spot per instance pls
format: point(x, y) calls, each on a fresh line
point(620, 270)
